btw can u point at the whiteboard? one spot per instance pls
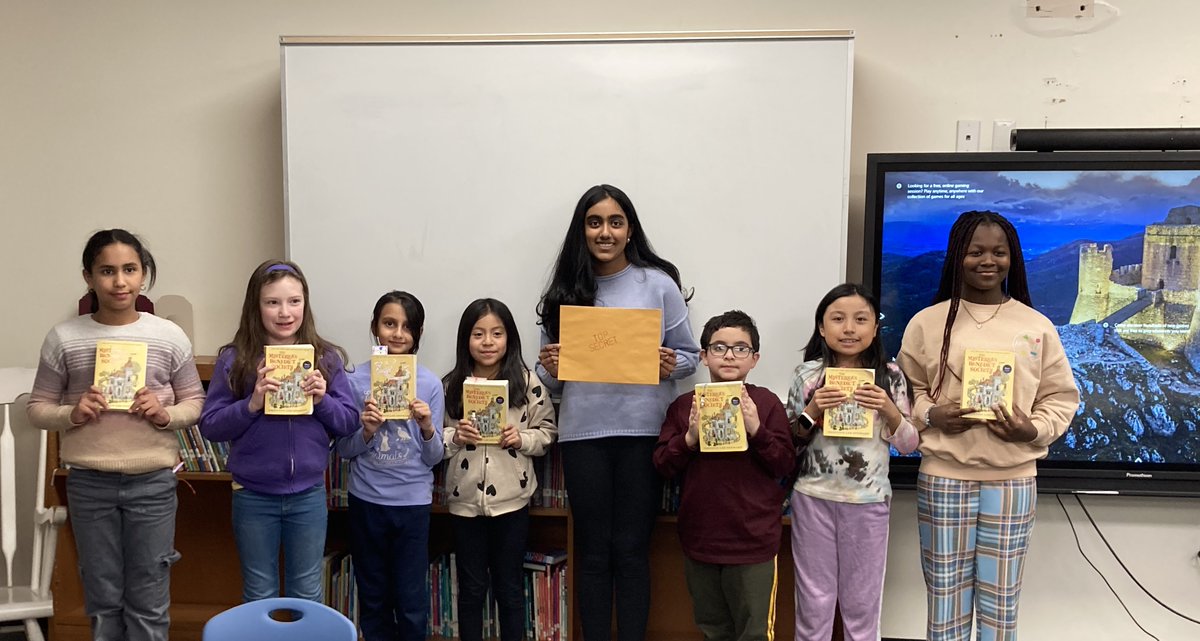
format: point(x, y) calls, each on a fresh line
point(450, 167)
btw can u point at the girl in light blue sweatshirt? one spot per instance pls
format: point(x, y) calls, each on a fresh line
point(608, 432)
point(391, 485)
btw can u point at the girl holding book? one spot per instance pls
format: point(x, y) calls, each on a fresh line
point(391, 484)
point(489, 485)
point(121, 489)
point(608, 432)
point(278, 462)
point(841, 500)
point(976, 491)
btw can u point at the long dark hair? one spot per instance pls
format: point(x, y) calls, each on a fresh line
point(873, 357)
point(1015, 284)
point(414, 313)
point(106, 237)
point(512, 368)
point(574, 279)
point(251, 336)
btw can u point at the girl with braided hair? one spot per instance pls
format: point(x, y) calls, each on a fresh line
point(977, 489)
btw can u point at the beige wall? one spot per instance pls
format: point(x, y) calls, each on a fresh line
point(163, 117)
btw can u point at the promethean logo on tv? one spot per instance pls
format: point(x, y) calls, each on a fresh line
point(1138, 475)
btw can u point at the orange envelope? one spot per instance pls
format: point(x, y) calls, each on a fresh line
point(609, 345)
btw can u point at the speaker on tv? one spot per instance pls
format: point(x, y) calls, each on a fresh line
point(1162, 139)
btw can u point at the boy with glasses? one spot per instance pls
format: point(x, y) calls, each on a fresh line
point(731, 502)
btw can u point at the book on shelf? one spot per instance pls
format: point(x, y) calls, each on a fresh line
point(545, 558)
point(289, 365)
point(552, 490)
point(987, 381)
point(848, 420)
point(394, 383)
point(337, 579)
point(120, 371)
point(722, 428)
point(545, 587)
point(485, 402)
point(200, 454)
point(337, 482)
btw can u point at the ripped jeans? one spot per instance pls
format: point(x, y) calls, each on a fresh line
point(124, 527)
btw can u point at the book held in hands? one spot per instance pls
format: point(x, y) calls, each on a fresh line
point(848, 420)
point(719, 406)
point(120, 371)
point(485, 402)
point(987, 381)
point(394, 384)
point(289, 364)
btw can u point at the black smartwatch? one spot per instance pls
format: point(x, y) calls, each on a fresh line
point(806, 421)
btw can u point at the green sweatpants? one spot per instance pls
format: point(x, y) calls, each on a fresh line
point(733, 602)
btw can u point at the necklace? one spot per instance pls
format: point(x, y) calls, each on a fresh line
point(979, 323)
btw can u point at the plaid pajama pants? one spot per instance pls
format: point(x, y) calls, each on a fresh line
point(974, 536)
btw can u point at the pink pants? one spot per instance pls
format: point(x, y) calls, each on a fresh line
point(840, 552)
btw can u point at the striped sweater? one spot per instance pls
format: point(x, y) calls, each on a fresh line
point(118, 441)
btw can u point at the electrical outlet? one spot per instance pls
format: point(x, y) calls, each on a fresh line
point(1002, 135)
point(968, 136)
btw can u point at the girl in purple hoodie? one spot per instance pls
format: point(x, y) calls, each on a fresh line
point(278, 462)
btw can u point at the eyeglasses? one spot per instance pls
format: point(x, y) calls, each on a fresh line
point(739, 351)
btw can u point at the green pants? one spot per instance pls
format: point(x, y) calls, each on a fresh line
point(733, 602)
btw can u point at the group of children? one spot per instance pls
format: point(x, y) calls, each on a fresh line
point(976, 489)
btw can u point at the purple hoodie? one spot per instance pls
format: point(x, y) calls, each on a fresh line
point(277, 454)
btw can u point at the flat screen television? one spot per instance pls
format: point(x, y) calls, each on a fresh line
point(1112, 250)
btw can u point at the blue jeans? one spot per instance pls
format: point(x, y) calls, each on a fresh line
point(261, 523)
point(124, 527)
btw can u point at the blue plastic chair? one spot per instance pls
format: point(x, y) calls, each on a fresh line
point(252, 622)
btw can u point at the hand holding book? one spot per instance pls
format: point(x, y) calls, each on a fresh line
point(873, 397)
point(510, 437)
point(950, 419)
point(262, 384)
point(424, 417)
point(692, 437)
point(466, 433)
point(749, 413)
point(314, 385)
point(824, 398)
point(89, 406)
point(372, 418)
point(1014, 427)
point(146, 405)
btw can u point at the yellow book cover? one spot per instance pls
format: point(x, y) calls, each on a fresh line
point(987, 380)
point(720, 409)
point(394, 384)
point(120, 371)
point(486, 403)
point(848, 420)
point(289, 364)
